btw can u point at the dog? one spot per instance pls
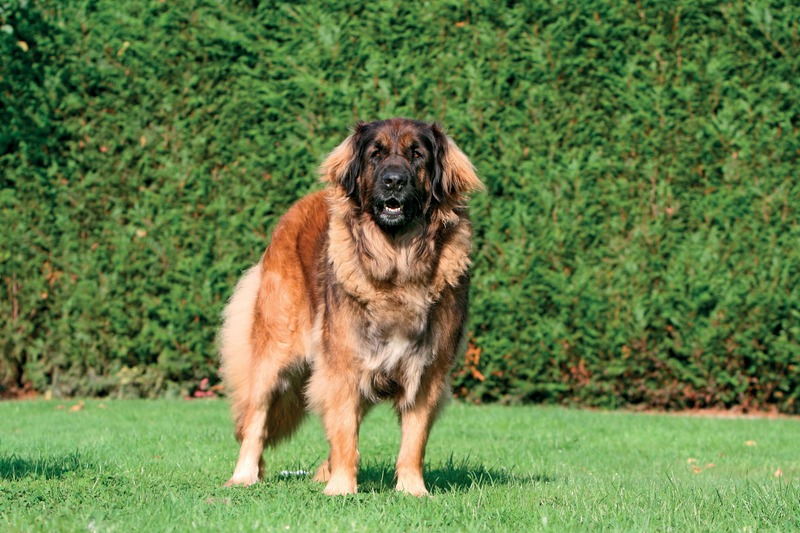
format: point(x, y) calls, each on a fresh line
point(360, 297)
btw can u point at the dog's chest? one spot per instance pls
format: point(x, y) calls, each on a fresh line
point(396, 344)
point(399, 312)
point(386, 355)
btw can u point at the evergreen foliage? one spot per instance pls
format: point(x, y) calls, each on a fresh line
point(638, 243)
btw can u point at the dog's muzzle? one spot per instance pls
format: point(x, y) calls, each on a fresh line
point(391, 203)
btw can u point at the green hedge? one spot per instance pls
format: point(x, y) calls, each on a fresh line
point(638, 243)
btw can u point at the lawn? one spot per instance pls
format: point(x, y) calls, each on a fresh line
point(160, 465)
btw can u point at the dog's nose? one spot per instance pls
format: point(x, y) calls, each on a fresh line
point(394, 180)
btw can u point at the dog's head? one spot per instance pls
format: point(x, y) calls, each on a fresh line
point(399, 171)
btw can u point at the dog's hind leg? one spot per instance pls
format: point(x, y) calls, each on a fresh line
point(276, 409)
point(246, 375)
point(288, 408)
point(251, 425)
point(263, 368)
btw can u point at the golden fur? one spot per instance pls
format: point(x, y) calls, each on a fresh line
point(356, 300)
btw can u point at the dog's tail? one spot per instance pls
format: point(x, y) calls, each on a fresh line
point(235, 342)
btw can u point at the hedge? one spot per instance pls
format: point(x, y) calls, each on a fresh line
point(638, 244)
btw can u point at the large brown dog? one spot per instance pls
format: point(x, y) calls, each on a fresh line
point(360, 297)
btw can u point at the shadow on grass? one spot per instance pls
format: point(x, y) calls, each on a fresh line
point(13, 467)
point(454, 475)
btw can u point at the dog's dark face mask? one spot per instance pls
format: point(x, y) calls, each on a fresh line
point(396, 171)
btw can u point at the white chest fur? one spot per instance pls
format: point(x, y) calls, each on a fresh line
point(394, 364)
point(396, 348)
point(394, 353)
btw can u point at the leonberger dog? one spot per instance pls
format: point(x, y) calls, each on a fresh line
point(360, 297)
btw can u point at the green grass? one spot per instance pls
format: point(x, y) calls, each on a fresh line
point(160, 465)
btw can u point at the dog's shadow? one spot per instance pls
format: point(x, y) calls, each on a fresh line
point(453, 475)
point(14, 467)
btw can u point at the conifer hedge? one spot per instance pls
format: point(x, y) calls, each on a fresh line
point(638, 244)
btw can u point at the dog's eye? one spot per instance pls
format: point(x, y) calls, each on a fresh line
point(416, 154)
point(375, 154)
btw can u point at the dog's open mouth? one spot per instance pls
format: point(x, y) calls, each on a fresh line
point(392, 207)
point(392, 212)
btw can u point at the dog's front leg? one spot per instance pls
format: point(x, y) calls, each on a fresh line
point(336, 398)
point(342, 422)
point(415, 423)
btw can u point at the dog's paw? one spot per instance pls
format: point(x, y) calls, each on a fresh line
point(323, 473)
point(242, 480)
point(413, 486)
point(340, 485)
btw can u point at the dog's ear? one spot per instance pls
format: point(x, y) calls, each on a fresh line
point(453, 174)
point(343, 164)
